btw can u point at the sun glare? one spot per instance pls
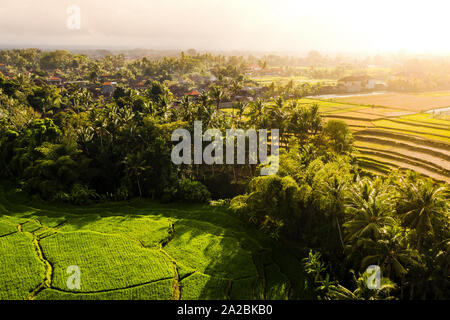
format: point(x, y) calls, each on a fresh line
point(416, 26)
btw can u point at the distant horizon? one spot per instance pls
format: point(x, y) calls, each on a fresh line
point(112, 49)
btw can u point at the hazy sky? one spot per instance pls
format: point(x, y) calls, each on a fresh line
point(262, 25)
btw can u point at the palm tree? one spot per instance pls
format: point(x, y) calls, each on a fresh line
point(278, 103)
point(370, 211)
point(298, 123)
point(217, 94)
point(135, 165)
point(241, 107)
point(204, 98)
point(102, 129)
point(164, 102)
point(256, 112)
point(187, 111)
point(334, 191)
point(368, 220)
point(236, 86)
point(262, 64)
point(315, 119)
point(209, 115)
point(391, 253)
point(278, 118)
point(422, 205)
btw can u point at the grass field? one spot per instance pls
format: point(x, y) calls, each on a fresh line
point(138, 250)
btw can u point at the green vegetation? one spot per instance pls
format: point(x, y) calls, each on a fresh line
point(297, 80)
point(159, 252)
point(22, 270)
point(427, 119)
point(435, 133)
point(89, 182)
point(388, 139)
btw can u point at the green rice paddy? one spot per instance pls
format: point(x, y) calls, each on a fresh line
point(138, 250)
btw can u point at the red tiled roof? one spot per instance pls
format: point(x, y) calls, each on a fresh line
point(106, 84)
point(254, 66)
point(194, 93)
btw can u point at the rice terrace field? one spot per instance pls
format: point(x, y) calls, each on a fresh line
point(411, 102)
point(138, 250)
point(189, 152)
point(395, 130)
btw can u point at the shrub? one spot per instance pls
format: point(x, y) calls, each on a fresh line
point(61, 197)
point(121, 194)
point(46, 189)
point(169, 194)
point(186, 190)
point(192, 191)
point(274, 203)
point(340, 136)
point(222, 185)
point(239, 204)
point(81, 194)
point(275, 196)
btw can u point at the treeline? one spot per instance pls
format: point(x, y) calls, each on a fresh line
point(81, 67)
point(421, 75)
point(121, 148)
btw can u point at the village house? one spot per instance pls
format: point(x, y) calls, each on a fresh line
point(178, 89)
point(139, 85)
point(251, 68)
point(56, 81)
point(107, 88)
point(360, 83)
point(195, 94)
point(327, 89)
point(2, 67)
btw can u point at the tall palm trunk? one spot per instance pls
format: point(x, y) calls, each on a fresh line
point(419, 241)
point(340, 233)
point(139, 187)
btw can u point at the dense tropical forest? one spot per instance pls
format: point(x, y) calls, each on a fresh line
point(66, 140)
